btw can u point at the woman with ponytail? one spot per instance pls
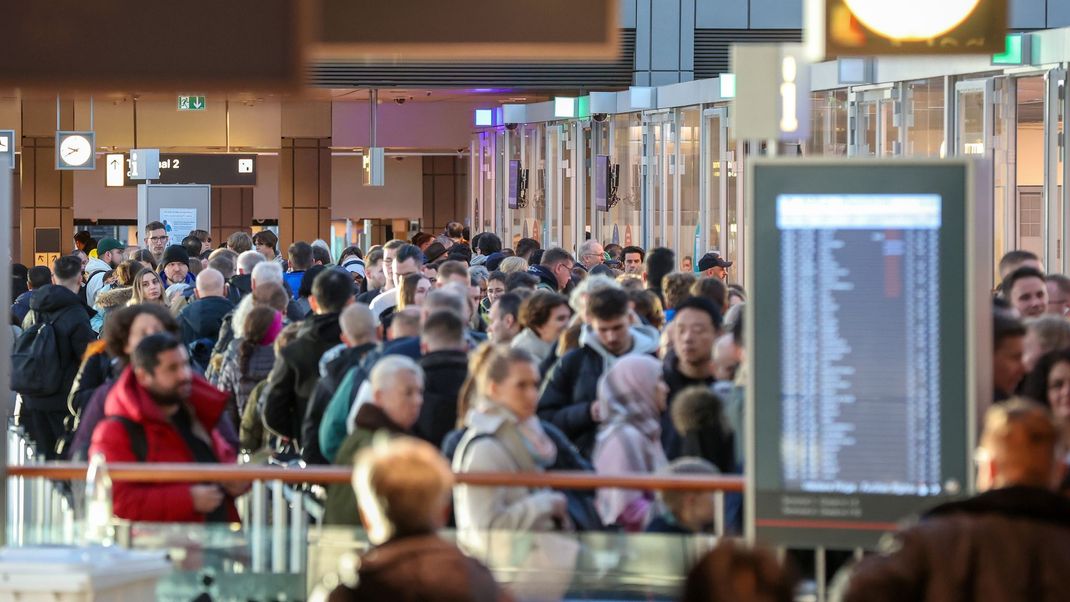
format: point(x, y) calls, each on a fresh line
point(504, 435)
point(249, 358)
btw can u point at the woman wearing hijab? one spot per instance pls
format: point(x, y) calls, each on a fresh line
point(631, 399)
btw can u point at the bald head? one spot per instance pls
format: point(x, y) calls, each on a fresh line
point(209, 283)
point(1019, 446)
point(358, 325)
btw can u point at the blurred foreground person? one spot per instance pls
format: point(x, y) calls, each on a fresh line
point(1010, 542)
point(403, 490)
point(734, 573)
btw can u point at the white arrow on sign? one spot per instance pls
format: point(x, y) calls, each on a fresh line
point(113, 176)
point(198, 102)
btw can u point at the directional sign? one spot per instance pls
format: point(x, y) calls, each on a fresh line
point(7, 146)
point(45, 259)
point(192, 103)
point(115, 164)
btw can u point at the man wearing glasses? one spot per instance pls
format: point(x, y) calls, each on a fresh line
point(156, 239)
point(1058, 294)
point(591, 254)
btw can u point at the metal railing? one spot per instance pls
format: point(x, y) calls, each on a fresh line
point(279, 509)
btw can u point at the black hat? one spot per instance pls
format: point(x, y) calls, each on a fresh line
point(710, 260)
point(434, 251)
point(175, 254)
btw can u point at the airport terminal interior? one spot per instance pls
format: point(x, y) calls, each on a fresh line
point(755, 300)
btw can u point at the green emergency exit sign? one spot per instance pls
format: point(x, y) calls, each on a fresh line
point(191, 103)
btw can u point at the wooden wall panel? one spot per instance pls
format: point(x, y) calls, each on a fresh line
point(46, 198)
point(304, 190)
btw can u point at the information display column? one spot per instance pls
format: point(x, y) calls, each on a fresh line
point(858, 344)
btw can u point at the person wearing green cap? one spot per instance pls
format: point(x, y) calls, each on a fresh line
point(109, 256)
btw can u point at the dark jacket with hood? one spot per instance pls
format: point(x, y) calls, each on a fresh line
point(240, 285)
point(203, 318)
point(20, 308)
point(547, 279)
point(334, 372)
point(444, 374)
point(1002, 545)
point(70, 318)
point(572, 384)
point(676, 381)
point(296, 372)
point(420, 567)
point(341, 505)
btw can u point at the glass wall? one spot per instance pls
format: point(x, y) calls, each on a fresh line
point(924, 107)
point(686, 221)
point(828, 123)
point(623, 142)
point(525, 220)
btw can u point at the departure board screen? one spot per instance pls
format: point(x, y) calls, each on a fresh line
point(860, 400)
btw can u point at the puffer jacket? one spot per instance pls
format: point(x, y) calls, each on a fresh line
point(238, 383)
point(572, 384)
point(160, 502)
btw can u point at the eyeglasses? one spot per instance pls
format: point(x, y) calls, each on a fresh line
point(158, 238)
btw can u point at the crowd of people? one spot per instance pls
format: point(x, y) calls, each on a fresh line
point(610, 359)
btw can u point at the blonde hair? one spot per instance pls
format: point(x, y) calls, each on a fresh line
point(403, 486)
point(488, 363)
point(510, 265)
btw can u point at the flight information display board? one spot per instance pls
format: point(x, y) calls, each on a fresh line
point(859, 397)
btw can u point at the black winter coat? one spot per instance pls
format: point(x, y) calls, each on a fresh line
point(321, 398)
point(295, 374)
point(570, 387)
point(444, 374)
point(203, 318)
point(671, 440)
point(70, 318)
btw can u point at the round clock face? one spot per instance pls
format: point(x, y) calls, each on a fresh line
point(900, 21)
point(75, 150)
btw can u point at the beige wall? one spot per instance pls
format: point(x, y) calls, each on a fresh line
point(1031, 156)
point(402, 197)
point(423, 125)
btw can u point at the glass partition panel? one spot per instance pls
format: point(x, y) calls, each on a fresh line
point(621, 223)
point(925, 118)
point(828, 123)
point(716, 141)
point(689, 242)
point(1029, 197)
point(525, 221)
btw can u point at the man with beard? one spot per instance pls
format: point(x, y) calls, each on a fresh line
point(161, 411)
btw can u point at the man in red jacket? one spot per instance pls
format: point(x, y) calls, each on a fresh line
point(160, 411)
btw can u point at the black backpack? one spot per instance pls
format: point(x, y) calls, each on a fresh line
point(36, 369)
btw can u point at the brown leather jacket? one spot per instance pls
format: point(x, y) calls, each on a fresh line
point(1003, 545)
